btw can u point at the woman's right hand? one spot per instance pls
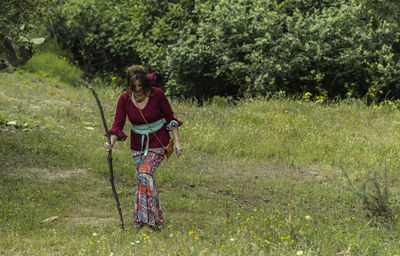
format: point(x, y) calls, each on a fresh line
point(109, 146)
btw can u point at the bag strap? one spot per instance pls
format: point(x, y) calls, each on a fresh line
point(148, 124)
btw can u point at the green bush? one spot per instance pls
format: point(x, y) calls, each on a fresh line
point(54, 62)
point(253, 47)
point(239, 48)
point(21, 29)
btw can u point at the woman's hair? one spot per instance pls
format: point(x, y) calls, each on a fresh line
point(137, 72)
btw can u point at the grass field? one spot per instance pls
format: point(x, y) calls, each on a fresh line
point(261, 177)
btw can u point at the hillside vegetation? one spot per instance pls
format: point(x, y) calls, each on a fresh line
point(259, 177)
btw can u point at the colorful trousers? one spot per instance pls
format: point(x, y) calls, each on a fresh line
point(147, 209)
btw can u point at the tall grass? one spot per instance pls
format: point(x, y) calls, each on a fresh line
point(257, 178)
point(52, 61)
point(274, 130)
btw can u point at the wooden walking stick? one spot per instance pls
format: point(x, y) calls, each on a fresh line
point(109, 158)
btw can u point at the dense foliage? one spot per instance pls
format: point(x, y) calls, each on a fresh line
point(20, 23)
point(384, 9)
point(204, 48)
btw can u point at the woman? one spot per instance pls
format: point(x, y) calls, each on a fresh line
point(152, 118)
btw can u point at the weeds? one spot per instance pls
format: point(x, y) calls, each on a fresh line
point(373, 193)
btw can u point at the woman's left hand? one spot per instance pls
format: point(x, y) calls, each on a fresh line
point(178, 148)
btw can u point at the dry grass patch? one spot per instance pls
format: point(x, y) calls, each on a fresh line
point(49, 175)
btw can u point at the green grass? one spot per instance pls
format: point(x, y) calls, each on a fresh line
point(51, 61)
point(258, 178)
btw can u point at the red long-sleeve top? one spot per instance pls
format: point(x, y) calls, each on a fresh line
point(157, 108)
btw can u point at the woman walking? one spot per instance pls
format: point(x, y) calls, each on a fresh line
point(152, 118)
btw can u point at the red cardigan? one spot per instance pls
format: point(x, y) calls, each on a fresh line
point(157, 107)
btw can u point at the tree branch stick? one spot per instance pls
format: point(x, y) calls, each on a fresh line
point(109, 158)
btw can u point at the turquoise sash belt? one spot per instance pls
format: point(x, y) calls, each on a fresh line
point(145, 130)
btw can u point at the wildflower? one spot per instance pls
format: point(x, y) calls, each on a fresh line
point(299, 253)
point(90, 242)
point(94, 234)
point(144, 235)
point(66, 218)
point(307, 217)
point(113, 78)
point(190, 233)
point(162, 249)
point(232, 239)
point(361, 235)
point(306, 224)
point(228, 185)
point(195, 238)
point(325, 218)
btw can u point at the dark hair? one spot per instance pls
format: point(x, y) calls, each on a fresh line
point(137, 72)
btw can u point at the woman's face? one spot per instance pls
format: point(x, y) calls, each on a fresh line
point(138, 87)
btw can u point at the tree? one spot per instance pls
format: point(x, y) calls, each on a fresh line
point(19, 29)
point(384, 9)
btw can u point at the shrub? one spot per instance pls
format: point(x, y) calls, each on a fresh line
point(53, 61)
point(21, 29)
point(239, 48)
point(374, 195)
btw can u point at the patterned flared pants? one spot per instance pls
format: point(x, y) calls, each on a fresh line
point(147, 209)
